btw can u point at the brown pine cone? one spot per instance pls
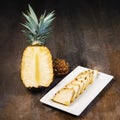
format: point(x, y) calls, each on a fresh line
point(60, 67)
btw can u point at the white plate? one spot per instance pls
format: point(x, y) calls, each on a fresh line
point(77, 107)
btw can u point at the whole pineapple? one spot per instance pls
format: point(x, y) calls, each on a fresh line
point(36, 64)
point(60, 67)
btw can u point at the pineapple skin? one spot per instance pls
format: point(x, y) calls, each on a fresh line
point(36, 67)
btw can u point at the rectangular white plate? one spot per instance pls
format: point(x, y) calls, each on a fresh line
point(77, 107)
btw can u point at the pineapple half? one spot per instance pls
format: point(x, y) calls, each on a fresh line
point(36, 63)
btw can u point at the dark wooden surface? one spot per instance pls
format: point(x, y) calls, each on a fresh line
point(86, 33)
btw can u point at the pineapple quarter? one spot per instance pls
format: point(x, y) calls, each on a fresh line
point(36, 63)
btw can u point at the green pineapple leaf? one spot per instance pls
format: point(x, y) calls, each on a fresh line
point(30, 23)
point(32, 14)
point(37, 30)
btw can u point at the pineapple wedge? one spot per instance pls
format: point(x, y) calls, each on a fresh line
point(64, 96)
point(80, 85)
point(76, 89)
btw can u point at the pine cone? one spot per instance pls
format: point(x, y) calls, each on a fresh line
point(60, 67)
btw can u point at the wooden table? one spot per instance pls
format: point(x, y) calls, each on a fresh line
point(85, 33)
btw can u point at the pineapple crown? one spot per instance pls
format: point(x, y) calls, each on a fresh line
point(37, 30)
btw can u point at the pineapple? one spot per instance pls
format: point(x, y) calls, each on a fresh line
point(36, 63)
point(60, 67)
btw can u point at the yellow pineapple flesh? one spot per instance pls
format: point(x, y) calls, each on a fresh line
point(36, 67)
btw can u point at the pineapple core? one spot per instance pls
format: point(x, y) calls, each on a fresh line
point(36, 67)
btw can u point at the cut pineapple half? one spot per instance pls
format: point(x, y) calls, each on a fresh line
point(36, 64)
point(36, 67)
